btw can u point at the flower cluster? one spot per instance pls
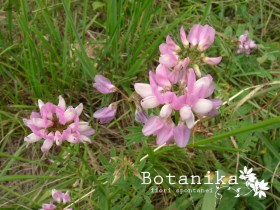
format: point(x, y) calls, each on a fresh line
point(104, 85)
point(59, 198)
point(174, 88)
point(199, 39)
point(57, 123)
point(245, 44)
point(253, 183)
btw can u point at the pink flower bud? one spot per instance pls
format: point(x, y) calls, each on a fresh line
point(79, 109)
point(197, 70)
point(184, 37)
point(212, 61)
point(61, 103)
point(172, 45)
point(103, 84)
point(106, 114)
point(40, 103)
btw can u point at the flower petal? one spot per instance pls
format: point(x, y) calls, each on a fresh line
point(32, 138)
point(184, 37)
point(182, 135)
point(152, 126)
point(62, 103)
point(166, 111)
point(46, 145)
point(165, 134)
point(212, 61)
point(149, 102)
point(144, 90)
point(79, 109)
point(202, 106)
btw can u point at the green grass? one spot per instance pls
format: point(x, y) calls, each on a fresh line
point(52, 48)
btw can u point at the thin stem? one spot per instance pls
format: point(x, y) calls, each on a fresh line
point(123, 94)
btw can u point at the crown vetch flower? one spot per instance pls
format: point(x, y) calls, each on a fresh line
point(57, 123)
point(245, 44)
point(201, 36)
point(58, 197)
point(187, 97)
point(61, 197)
point(103, 84)
point(174, 89)
point(49, 206)
point(106, 114)
point(189, 51)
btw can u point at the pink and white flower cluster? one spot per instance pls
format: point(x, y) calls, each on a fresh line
point(199, 39)
point(245, 44)
point(59, 198)
point(56, 124)
point(177, 92)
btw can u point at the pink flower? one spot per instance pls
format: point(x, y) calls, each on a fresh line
point(183, 36)
point(166, 133)
point(245, 44)
point(188, 97)
point(58, 197)
point(174, 89)
point(144, 90)
point(160, 127)
point(199, 39)
point(162, 75)
point(201, 36)
point(152, 126)
point(182, 135)
point(212, 61)
point(57, 123)
point(106, 114)
point(61, 197)
point(103, 84)
point(169, 53)
point(49, 206)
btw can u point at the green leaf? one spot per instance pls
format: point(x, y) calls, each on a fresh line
point(243, 129)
